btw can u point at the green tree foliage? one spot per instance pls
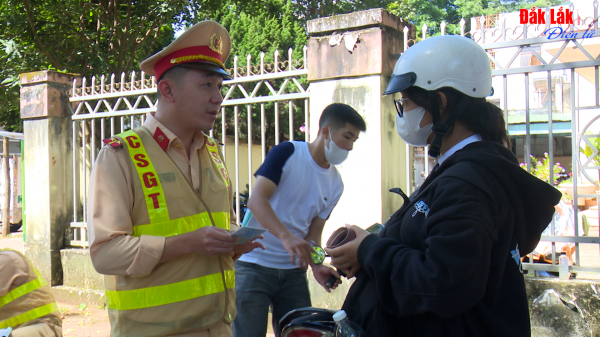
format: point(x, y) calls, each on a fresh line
point(309, 9)
point(433, 12)
point(272, 28)
point(305, 10)
point(268, 28)
point(86, 37)
point(11, 64)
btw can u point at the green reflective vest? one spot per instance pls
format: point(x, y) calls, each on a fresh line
point(192, 292)
point(27, 302)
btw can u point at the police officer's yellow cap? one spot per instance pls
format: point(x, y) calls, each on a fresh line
point(205, 45)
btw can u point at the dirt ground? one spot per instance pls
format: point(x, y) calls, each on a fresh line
point(88, 322)
point(81, 321)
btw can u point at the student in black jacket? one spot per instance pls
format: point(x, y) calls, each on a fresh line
point(448, 262)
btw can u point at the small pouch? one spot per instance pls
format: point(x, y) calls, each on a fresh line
point(340, 237)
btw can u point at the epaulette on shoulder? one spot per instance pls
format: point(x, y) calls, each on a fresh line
point(114, 142)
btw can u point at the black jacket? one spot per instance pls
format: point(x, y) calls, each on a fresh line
point(447, 263)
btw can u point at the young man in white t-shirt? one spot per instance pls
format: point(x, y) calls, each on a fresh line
point(296, 189)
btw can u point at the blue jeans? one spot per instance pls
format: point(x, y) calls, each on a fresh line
point(259, 287)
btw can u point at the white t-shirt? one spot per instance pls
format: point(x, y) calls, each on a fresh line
point(304, 191)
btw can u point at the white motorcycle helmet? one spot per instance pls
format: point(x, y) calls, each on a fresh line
point(444, 61)
point(448, 61)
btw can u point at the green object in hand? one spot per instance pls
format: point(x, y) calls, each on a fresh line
point(318, 256)
point(375, 228)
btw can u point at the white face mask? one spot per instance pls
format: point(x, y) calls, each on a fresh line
point(333, 153)
point(408, 127)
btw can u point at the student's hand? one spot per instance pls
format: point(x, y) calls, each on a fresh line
point(297, 247)
point(345, 256)
point(248, 247)
point(212, 240)
point(323, 273)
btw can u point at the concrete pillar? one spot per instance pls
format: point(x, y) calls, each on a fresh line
point(48, 169)
point(350, 59)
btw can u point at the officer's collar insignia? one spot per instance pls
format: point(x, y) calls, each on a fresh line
point(162, 139)
point(421, 207)
point(215, 43)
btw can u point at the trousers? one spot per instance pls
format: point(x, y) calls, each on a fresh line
point(258, 288)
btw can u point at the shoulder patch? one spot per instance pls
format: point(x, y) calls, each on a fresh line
point(114, 142)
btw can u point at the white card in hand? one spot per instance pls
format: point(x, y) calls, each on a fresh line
point(246, 234)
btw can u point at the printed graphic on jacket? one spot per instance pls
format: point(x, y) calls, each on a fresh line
point(421, 207)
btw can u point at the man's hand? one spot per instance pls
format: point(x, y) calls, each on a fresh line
point(206, 241)
point(248, 247)
point(323, 273)
point(213, 241)
point(345, 256)
point(297, 247)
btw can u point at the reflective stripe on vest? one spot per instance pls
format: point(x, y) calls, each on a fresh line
point(211, 145)
point(170, 293)
point(21, 290)
point(29, 315)
point(183, 225)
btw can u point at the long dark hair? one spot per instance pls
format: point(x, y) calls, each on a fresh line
point(480, 116)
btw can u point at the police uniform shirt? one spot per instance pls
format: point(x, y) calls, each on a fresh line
point(113, 249)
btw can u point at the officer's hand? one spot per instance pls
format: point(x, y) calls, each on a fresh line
point(248, 247)
point(345, 256)
point(323, 273)
point(213, 241)
point(297, 247)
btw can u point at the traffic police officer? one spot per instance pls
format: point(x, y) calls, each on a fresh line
point(160, 202)
point(26, 303)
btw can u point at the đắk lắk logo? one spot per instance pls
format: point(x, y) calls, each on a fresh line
point(538, 17)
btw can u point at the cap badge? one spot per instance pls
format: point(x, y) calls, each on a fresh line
point(215, 43)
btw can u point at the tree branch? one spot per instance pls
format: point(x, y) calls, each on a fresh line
point(126, 35)
point(54, 61)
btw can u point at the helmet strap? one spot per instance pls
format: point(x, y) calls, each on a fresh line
point(443, 128)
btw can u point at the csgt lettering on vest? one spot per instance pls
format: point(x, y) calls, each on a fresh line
point(539, 17)
point(148, 178)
